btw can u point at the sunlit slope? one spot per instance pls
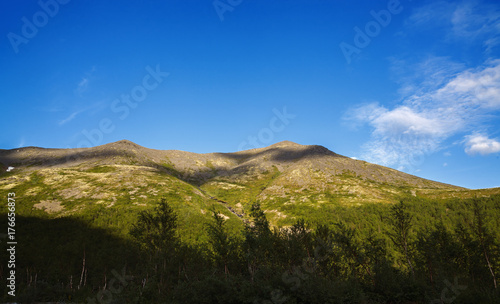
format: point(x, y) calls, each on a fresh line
point(118, 180)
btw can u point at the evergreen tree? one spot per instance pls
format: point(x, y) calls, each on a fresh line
point(224, 247)
point(258, 240)
point(156, 232)
point(401, 222)
point(484, 237)
point(352, 250)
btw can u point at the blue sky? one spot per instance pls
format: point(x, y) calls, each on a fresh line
point(413, 85)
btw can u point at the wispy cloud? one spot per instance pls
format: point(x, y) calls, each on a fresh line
point(473, 19)
point(490, 44)
point(429, 115)
point(69, 118)
point(435, 13)
point(90, 110)
point(22, 142)
point(464, 21)
point(427, 74)
point(481, 144)
point(82, 85)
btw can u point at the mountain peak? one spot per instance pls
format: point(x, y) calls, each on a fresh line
point(124, 143)
point(309, 149)
point(286, 144)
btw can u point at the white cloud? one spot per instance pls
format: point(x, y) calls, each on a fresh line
point(475, 88)
point(481, 144)
point(358, 115)
point(439, 98)
point(402, 136)
point(403, 120)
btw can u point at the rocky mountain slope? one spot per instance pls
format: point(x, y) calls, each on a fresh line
point(285, 178)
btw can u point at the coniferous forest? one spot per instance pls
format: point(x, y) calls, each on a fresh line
point(415, 251)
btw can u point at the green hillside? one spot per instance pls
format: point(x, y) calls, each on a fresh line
point(76, 210)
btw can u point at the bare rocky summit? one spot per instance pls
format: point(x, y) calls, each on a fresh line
point(299, 164)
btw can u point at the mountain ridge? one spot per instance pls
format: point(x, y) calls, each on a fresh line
point(289, 180)
point(280, 154)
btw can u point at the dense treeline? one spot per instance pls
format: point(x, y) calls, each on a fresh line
point(416, 251)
